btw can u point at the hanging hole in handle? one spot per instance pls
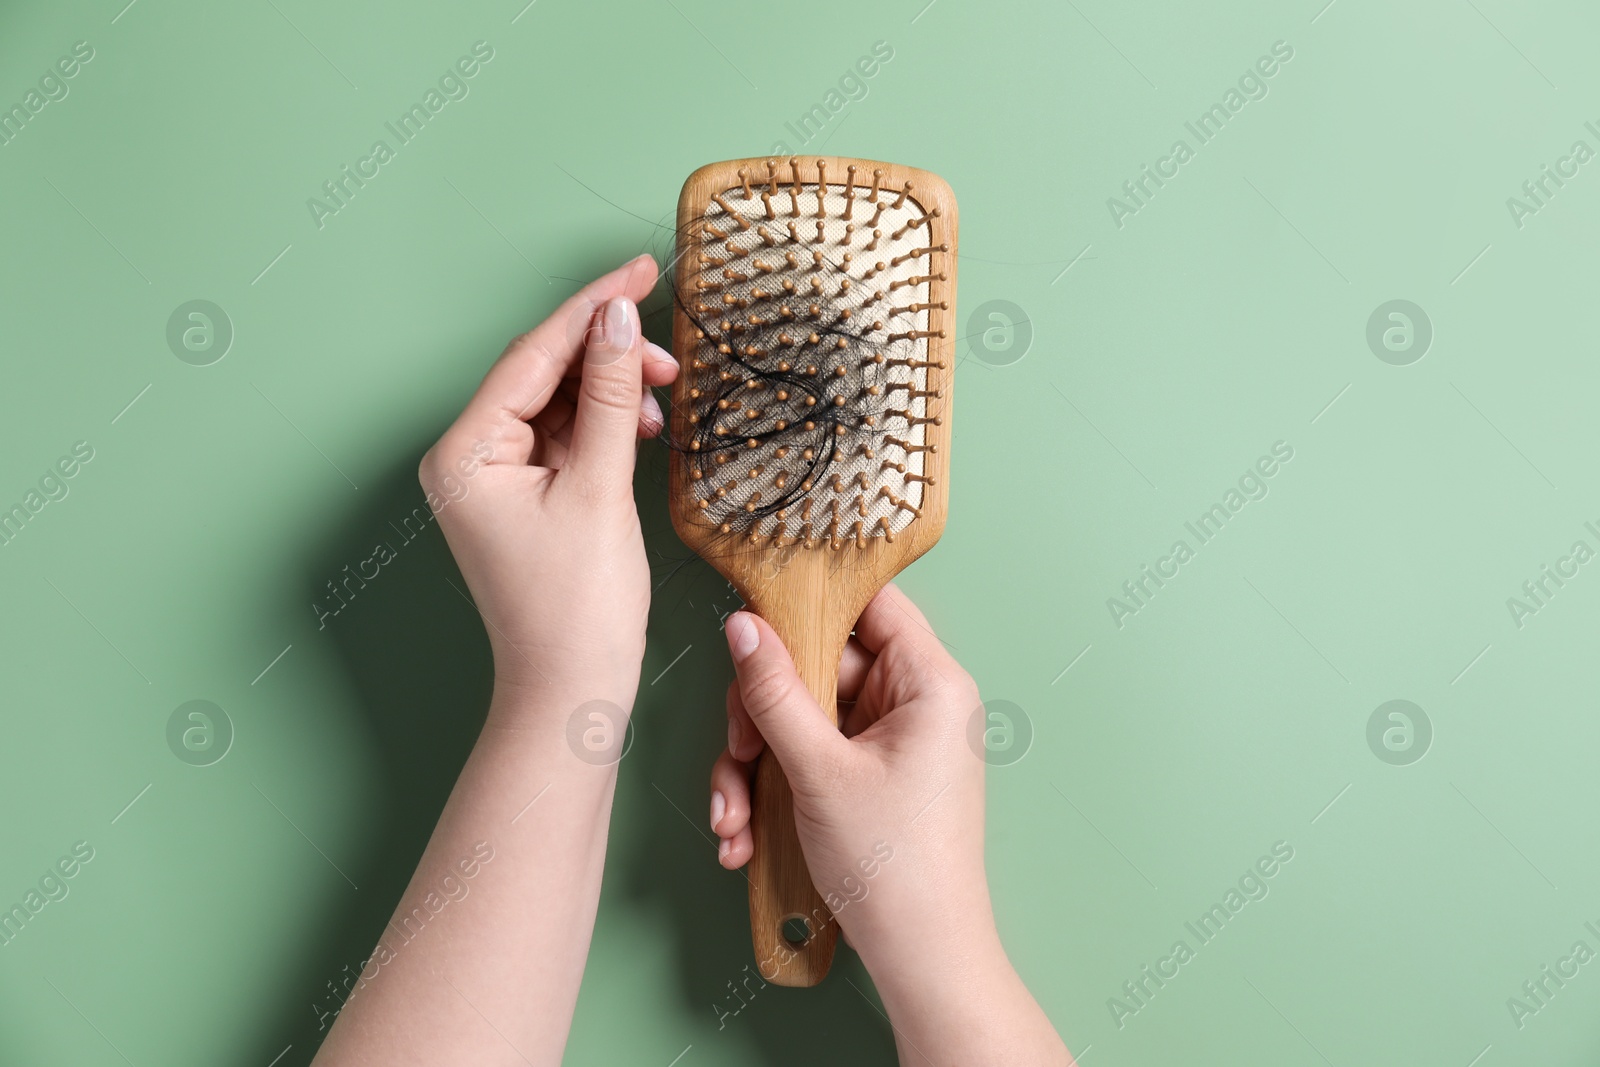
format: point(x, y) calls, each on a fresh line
point(796, 930)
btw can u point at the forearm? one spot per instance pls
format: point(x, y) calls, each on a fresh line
point(485, 968)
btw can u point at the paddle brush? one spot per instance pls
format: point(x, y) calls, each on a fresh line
point(814, 303)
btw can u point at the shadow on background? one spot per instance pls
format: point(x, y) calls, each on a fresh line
point(416, 654)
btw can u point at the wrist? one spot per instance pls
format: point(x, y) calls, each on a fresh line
point(964, 991)
point(567, 662)
point(526, 698)
point(935, 962)
point(927, 911)
point(959, 989)
point(569, 728)
point(526, 740)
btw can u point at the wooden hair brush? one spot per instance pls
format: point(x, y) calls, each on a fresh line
point(812, 422)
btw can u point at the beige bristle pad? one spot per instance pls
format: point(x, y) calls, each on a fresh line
point(819, 358)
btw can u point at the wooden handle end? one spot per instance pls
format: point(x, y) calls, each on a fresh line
point(792, 929)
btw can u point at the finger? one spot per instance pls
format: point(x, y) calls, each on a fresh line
point(650, 418)
point(609, 397)
point(659, 366)
point(660, 370)
point(857, 720)
point(549, 450)
point(894, 629)
point(734, 852)
point(522, 379)
point(556, 420)
point(730, 796)
point(744, 740)
point(891, 616)
point(805, 740)
point(853, 668)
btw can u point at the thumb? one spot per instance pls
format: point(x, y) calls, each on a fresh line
point(605, 425)
point(802, 737)
point(792, 723)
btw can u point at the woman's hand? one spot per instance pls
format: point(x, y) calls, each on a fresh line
point(896, 776)
point(533, 487)
point(889, 810)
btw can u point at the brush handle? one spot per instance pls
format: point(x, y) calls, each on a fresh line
point(781, 888)
point(813, 629)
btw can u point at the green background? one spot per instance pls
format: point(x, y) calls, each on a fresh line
point(1231, 712)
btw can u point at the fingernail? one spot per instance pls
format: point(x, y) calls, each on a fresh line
point(735, 735)
point(723, 847)
point(620, 320)
point(650, 411)
point(654, 353)
point(742, 636)
point(718, 806)
point(618, 331)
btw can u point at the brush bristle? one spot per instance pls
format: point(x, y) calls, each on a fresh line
point(811, 384)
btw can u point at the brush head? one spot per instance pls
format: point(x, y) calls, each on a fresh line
point(814, 303)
